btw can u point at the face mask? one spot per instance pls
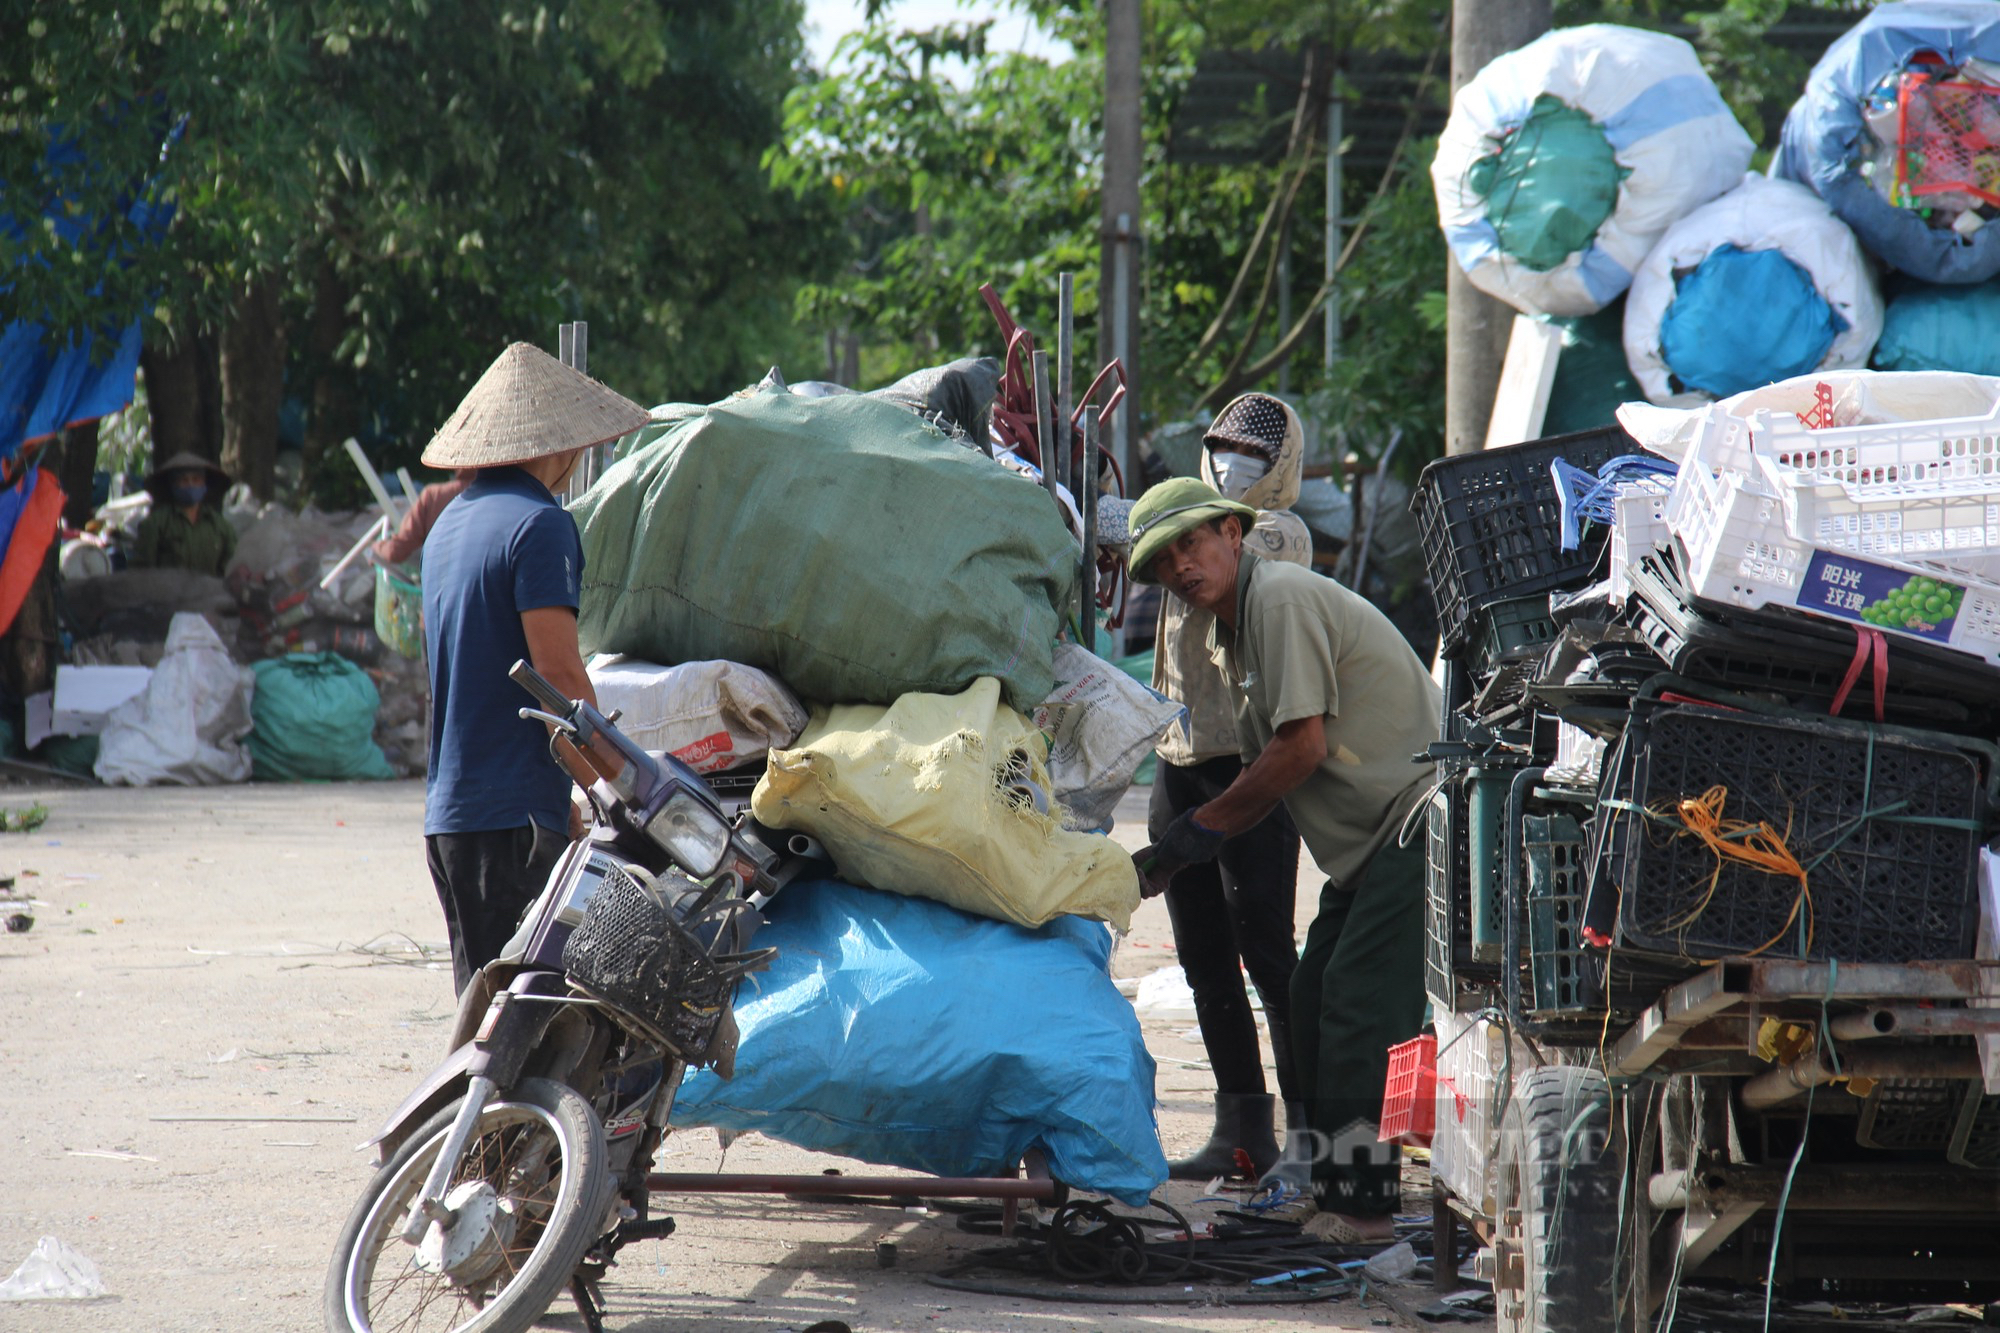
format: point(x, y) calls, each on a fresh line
point(1237, 473)
point(190, 493)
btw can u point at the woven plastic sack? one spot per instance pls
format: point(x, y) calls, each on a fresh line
point(1932, 327)
point(1826, 140)
point(1101, 726)
point(186, 727)
point(909, 1034)
point(1565, 161)
point(1762, 284)
point(315, 720)
point(709, 715)
point(839, 543)
point(945, 797)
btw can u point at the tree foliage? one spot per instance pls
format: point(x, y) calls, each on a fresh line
point(421, 183)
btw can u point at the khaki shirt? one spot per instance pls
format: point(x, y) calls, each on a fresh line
point(167, 540)
point(1304, 646)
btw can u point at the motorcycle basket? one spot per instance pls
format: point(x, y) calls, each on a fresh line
point(648, 952)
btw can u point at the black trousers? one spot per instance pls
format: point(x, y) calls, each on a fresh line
point(1231, 915)
point(484, 882)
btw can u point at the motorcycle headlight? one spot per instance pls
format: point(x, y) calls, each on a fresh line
point(690, 832)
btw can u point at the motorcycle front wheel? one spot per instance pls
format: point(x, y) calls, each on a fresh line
point(528, 1197)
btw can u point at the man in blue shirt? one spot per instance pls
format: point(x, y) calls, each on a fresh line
point(501, 574)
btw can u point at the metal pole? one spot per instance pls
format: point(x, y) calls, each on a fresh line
point(1045, 435)
point(1118, 326)
point(1334, 228)
point(1087, 583)
point(1477, 325)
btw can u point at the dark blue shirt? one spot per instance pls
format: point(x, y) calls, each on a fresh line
point(504, 546)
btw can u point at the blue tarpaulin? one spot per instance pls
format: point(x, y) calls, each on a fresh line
point(907, 1033)
point(50, 379)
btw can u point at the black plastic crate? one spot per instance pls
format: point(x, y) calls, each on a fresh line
point(1509, 627)
point(1491, 524)
point(1977, 1142)
point(1911, 1114)
point(1893, 887)
point(1448, 957)
point(1799, 657)
point(1558, 959)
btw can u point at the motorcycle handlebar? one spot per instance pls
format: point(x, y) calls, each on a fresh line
point(535, 683)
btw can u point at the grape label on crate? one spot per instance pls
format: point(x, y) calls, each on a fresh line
point(1871, 594)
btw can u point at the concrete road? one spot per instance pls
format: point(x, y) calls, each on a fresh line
point(224, 991)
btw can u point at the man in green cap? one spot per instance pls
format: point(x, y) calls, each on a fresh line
point(1332, 706)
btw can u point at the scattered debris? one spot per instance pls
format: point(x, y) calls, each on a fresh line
point(53, 1271)
point(24, 820)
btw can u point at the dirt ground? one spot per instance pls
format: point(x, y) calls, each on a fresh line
point(226, 989)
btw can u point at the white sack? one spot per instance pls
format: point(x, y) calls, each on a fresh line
point(1667, 126)
point(1101, 725)
point(711, 716)
point(1860, 398)
point(1759, 214)
point(188, 724)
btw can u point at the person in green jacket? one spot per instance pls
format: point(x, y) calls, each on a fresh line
point(186, 529)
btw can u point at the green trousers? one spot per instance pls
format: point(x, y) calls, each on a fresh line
point(1358, 990)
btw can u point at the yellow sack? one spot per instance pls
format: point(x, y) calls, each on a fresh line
point(937, 796)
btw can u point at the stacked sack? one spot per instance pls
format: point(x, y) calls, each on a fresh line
point(864, 613)
point(911, 592)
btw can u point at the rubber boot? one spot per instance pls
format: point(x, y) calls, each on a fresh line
point(1294, 1167)
point(1242, 1120)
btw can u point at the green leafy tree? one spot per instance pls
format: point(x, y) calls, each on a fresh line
point(374, 196)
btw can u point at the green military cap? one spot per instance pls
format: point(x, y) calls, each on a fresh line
point(1171, 509)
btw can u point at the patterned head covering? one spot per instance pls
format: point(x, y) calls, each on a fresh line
point(1254, 423)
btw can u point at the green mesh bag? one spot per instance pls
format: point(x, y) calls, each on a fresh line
point(1551, 185)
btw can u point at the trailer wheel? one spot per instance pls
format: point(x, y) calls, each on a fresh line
point(1557, 1188)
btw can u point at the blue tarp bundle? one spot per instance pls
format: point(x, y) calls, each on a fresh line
point(903, 1032)
point(1825, 136)
point(52, 380)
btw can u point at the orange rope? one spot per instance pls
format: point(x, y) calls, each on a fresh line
point(1756, 845)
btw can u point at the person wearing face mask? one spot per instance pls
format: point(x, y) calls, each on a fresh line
point(1233, 914)
point(185, 528)
point(502, 575)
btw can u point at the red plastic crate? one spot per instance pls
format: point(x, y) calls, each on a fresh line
point(1409, 1098)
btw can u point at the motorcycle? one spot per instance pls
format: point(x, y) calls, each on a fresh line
point(518, 1166)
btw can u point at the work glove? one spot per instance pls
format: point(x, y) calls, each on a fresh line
point(1186, 842)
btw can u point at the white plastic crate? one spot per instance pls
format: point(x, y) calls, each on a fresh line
point(1579, 757)
point(1740, 553)
point(1919, 490)
point(1472, 1055)
point(1638, 526)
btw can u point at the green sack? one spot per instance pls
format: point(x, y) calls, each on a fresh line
point(1551, 185)
point(1592, 377)
point(840, 543)
point(314, 716)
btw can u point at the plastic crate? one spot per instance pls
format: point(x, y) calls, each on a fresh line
point(1579, 757)
point(1474, 1066)
point(1638, 526)
point(1559, 961)
point(1883, 889)
point(1491, 525)
point(1409, 1097)
point(1920, 1114)
point(1909, 490)
point(1802, 658)
point(1977, 1141)
point(1508, 627)
point(1449, 965)
point(1738, 552)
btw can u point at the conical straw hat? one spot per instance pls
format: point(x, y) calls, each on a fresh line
point(530, 405)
